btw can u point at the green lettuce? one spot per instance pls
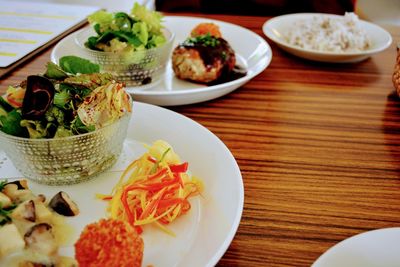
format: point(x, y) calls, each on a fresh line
point(4, 104)
point(102, 18)
point(75, 65)
point(61, 99)
point(3, 112)
point(53, 71)
point(10, 123)
point(140, 29)
point(151, 18)
point(55, 115)
point(36, 129)
point(79, 128)
point(89, 81)
point(62, 132)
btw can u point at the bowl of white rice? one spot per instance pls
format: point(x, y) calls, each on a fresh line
point(327, 37)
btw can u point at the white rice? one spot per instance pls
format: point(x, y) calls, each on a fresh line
point(326, 34)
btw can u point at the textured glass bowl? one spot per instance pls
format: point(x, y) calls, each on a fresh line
point(134, 69)
point(67, 160)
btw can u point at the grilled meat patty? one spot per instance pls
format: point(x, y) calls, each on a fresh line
point(204, 57)
point(203, 64)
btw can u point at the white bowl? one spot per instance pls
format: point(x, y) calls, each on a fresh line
point(276, 28)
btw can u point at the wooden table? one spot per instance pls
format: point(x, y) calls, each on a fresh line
point(318, 146)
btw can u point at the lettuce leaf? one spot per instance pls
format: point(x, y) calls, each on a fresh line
point(155, 40)
point(10, 123)
point(75, 65)
point(61, 99)
point(55, 114)
point(78, 127)
point(140, 29)
point(36, 129)
point(123, 21)
point(103, 18)
point(53, 71)
point(62, 132)
point(151, 18)
point(90, 81)
point(5, 105)
point(3, 112)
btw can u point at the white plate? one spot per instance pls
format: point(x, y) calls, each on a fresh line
point(276, 28)
point(370, 249)
point(252, 52)
point(202, 235)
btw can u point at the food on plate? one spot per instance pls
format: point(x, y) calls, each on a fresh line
point(109, 242)
point(32, 229)
point(205, 57)
point(63, 204)
point(122, 32)
point(71, 98)
point(206, 28)
point(154, 189)
point(329, 34)
point(134, 47)
point(70, 122)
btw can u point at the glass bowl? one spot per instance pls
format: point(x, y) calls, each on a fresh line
point(67, 160)
point(134, 69)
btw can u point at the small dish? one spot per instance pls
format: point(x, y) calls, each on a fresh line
point(276, 28)
point(370, 249)
point(135, 69)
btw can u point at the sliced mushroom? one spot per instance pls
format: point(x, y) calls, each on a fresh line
point(25, 211)
point(40, 239)
point(22, 184)
point(41, 198)
point(63, 204)
point(17, 195)
point(11, 240)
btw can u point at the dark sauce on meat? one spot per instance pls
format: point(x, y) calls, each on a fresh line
point(237, 73)
point(209, 53)
point(220, 51)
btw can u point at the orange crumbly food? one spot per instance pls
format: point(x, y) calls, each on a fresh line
point(109, 242)
point(204, 28)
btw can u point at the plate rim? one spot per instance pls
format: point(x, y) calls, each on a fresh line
point(265, 59)
point(267, 30)
point(247, 77)
point(331, 249)
point(226, 240)
point(239, 212)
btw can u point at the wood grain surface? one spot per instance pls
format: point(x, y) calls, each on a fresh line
point(318, 146)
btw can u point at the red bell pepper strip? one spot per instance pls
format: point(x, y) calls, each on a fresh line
point(179, 168)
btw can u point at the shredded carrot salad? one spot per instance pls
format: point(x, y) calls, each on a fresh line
point(153, 189)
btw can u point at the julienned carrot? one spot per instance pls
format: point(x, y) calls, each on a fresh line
point(154, 189)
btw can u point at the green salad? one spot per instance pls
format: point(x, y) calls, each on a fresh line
point(68, 99)
point(122, 32)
